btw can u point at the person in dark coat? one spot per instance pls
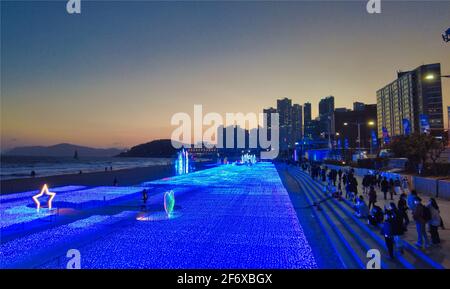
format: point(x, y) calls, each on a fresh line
point(366, 184)
point(379, 179)
point(403, 210)
point(384, 187)
point(397, 227)
point(435, 221)
point(420, 219)
point(391, 188)
point(372, 196)
point(387, 231)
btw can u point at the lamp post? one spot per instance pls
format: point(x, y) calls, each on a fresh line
point(369, 123)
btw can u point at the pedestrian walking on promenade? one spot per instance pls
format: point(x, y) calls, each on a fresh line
point(397, 187)
point(366, 184)
point(384, 187)
point(421, 216)
point(379, 180)
point(405, 184)
point(403, 210)
point(387, 231)
point(411, 200)
point(347, 190)
point(397, 227)
point(391, 188)
point(361, 209)
point(372, 196)
point(434, 222)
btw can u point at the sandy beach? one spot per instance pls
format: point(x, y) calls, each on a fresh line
point(125, 177)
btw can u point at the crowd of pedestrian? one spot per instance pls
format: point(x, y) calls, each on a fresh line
point(393, 220)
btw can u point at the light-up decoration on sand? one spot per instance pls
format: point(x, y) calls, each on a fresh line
point(169, 202)
point(248, 159)
point(182, 162)
point(46, 192)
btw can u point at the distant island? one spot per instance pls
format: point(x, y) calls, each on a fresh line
point(156, 148)
point(62, 150)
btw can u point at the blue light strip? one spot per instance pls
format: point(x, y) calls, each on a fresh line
point(246, 221)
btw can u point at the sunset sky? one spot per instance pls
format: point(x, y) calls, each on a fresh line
point(114, 75)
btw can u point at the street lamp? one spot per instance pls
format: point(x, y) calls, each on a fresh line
point(369, 123)
point(432, 76)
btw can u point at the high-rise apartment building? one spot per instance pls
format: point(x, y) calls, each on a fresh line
point(412, 102)
point(297, 122)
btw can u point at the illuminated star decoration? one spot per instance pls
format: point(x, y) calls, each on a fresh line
point(50, 199)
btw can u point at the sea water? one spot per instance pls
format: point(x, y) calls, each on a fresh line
point(14, 167)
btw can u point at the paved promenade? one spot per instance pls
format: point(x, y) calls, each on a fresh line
point(440, 253)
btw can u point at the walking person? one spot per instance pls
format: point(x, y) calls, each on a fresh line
point(391, 188)
point(361, 209)
point(347, 190)
point(421, 216)
point(405, 184)
point(387, 231)
point(354, 186)
point(397, 187)
point(372, 196)
point(379, 180)
point(434, 222)
point(403, 210)
point(384, 187)
point(397, 227)
point(410, 200)
point(366, 184)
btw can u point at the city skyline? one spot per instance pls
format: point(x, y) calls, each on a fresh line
point(114, 75)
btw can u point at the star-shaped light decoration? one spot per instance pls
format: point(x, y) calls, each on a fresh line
point(44, 190)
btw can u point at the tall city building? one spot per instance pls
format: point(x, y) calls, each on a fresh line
point(326, 115)
point(297, 122)
point(306, 116)
point(290, 123)
point(326, 105)
point(412, 102)
point(307, 112)
point(284, 109)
